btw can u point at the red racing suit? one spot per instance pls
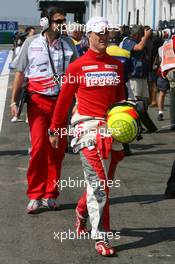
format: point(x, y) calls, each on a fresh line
point(98, 82)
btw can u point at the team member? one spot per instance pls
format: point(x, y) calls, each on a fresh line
point(98, 83)
point(45, 162)
point(167, 66)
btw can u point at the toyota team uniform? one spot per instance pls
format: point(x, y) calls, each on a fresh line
point(98, 83)
point(45, 162)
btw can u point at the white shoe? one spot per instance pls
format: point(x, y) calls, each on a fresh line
point(33, 206)
point(50, 203)
point(16, 119)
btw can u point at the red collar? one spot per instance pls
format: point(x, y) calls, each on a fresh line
point(96, 55)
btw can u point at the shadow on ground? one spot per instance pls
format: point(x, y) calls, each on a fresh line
point(146, 236)
point(143, 199)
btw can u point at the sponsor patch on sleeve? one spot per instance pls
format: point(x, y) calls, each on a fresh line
point(111, 66)
point(89, 67)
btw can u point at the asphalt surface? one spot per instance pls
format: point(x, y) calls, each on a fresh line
point(139, 211)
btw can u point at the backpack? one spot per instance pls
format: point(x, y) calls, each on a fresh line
point(137, 67)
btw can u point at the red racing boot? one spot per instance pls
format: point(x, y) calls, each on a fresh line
point(104, 248)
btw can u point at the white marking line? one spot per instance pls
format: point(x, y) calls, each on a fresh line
point(4, 77)
point(158, 255)
point(21, 168)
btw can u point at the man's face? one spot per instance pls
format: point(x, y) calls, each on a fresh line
point(31, 32)
point(77, 34)
point(99, 41)
point(57, 21)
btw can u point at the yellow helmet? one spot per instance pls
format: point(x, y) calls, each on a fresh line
point(123, 126)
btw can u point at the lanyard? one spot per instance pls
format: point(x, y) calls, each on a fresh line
point(52, 64)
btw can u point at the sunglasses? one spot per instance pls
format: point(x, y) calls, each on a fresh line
point(58, 21)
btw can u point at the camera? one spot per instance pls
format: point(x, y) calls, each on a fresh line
point(164, 34)
point(165, 29)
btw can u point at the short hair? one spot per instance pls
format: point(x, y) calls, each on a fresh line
point(136, 30)
point(27, 30)
point(51, 11)
point(55, 10)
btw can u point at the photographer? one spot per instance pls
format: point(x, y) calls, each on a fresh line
point(136, 43)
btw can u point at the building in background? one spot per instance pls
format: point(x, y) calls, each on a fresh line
point(145, 12)
point(76, 10)
point(119, 12)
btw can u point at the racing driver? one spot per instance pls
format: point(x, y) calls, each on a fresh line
point(96, 79)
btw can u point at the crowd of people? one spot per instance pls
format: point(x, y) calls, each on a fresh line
point(132, 59)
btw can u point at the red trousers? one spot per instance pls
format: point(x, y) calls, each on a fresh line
point(95, 202)
point(45, 162)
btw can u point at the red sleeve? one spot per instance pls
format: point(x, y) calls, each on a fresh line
point(65, 99)
point(120, 91)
